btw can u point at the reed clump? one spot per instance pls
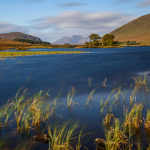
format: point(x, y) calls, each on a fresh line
point(60, 138)
point(116, 138)
point(89, 97)
point(108, 119)
point(134, 117)
point(70, 96)
point(147, 120)
point(140, 81)
point(27, 112)
point(133, 97)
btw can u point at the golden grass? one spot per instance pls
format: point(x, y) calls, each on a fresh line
point(116, 138)
point(99, 47)
point(29, 53)
point(81, 47)
point(107, 46)
point(40, 46)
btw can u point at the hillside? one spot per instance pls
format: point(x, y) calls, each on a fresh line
point(18, 35)
point(75, 39)
point(136, 30)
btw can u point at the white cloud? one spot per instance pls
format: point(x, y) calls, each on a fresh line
point(83, 23)
point(71, 4)
point(33, 1)
point(6, 27)
point(146, 3)
point(124, 1)
point(71, 23)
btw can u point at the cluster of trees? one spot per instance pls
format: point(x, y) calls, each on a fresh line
point(32, 41)
point(129, 43)
point(93, 40)
point(107, 40)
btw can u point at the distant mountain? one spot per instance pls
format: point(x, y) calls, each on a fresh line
point(18, 35)
point(75, 39)
point(136, 30)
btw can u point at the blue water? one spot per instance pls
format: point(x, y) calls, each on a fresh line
point(59, 73)
point(53, 71)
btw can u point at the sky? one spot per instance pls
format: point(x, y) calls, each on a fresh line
point(51, 20)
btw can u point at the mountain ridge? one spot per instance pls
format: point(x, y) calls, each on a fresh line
point(18, 35)
point(75, 39)
point(136, 30)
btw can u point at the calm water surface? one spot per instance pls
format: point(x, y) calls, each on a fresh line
point(59, 73)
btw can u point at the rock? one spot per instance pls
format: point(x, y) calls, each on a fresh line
point(100, 144)
point(44, 138)
point(90, 140)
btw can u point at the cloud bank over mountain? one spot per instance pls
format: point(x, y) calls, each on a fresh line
point(82, 23)
point(75, 39)
point(6, 27)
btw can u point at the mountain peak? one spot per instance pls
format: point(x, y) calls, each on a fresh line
point(75, 39)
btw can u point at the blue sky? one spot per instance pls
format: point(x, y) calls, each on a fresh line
point(53, 19)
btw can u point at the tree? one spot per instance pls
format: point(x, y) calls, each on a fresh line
point(95, 43)
point(108, 39)
point(94, 37)
point(90, 44)
point(86, 43)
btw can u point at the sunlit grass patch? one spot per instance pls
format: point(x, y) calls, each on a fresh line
point(48, 47)
point(134, 117)
point(29, 53)
point(116, 138)
point(60, 137)
point(147, 120)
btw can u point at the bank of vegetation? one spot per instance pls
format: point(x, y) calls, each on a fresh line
point(107, 41)
point(32, 41)
point(30, 53)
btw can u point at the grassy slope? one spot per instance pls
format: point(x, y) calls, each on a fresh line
point(12, 44)
point(136, 30)
point(18, 35)
point(7, 44)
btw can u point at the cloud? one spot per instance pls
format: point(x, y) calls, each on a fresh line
point(71, 23)
point(144, 4)
point(33, 1)
point(123, 1)
point(71, 4)
point(83, 23)
point(6, 27)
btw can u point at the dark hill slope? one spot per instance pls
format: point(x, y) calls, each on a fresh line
point(136, 30)
point(18, 35)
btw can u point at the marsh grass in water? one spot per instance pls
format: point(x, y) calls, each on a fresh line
point(28, 53)
point(116, 138)
point(60, 137)
point(35, 113)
